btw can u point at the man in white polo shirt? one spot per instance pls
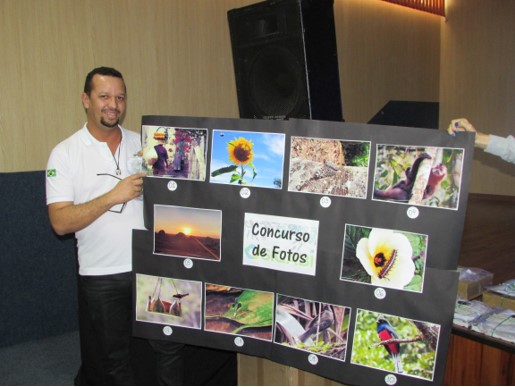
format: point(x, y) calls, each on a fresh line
point(91, 193)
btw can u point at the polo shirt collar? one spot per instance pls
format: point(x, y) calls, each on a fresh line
point(88, 138)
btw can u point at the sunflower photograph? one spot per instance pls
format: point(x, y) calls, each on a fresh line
point(247, 158)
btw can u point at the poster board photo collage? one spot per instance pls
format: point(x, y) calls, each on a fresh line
point(307, 238)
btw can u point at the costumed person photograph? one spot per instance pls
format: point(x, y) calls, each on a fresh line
point(89, 192)
point(503, 147)
point(160, 167)
point(177, 158)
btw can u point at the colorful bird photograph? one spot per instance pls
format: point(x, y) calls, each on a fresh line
point(389, 337)
point(312, 326)
point(395, 344)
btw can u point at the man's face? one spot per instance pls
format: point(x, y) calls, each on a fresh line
point(106, 103)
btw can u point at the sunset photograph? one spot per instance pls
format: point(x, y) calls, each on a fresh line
point(187, 232)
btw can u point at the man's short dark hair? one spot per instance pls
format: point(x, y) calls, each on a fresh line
point(109, 71)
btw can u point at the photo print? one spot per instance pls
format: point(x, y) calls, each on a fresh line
point(425, 176)
point(395, 344)
point(280, 243)
point(178, 153)
point(329, 166)
point(247, 158)
point(386, 258)
point(237, 311)
point(312, 326)
point(168, 301)
point(187, 232)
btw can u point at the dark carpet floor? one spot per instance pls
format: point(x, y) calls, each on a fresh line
point(51, 361)
point(55, 361)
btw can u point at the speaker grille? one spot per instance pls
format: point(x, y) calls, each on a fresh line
point(275, 82)
point(285, 62)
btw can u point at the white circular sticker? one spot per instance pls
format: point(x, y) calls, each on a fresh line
point(167, 330)
point(188, 263)
point(325, 201)
point(390, 379)
point(412, 212)
point(380, 293)
point(238, 341)
point(245, 193)
point(172, 185)
point(313, 359)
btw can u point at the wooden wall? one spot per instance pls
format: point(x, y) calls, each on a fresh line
point(176, 58)
point(174, 54)
point(477, 80)
point(254, 371)
point(471, 363)
point(385, 52)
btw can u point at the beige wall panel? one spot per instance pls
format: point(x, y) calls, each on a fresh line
point(478, 81)
point(176, 58)
point(174, 54)
point(385, 52)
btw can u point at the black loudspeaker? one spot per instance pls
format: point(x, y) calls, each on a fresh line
point(408, 113)
point(285, 60)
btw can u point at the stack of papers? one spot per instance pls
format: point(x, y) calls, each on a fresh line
point(500, 323)
point(466, 312)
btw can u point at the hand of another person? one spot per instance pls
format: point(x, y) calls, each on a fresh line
point(463, 125)
point(460, 125)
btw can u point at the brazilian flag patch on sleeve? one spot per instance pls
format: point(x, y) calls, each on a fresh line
point(51, 172)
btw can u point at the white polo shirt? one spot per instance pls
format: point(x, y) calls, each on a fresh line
point(82, 168)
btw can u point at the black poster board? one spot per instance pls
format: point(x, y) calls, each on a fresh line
point(277, 239)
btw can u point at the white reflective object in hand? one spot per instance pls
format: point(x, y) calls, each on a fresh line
point(135, 165)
